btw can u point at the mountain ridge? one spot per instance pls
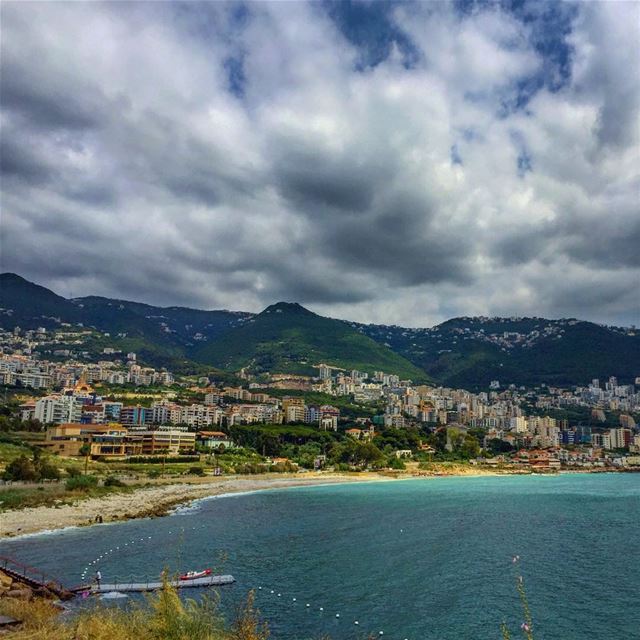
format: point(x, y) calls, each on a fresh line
point(463, 351)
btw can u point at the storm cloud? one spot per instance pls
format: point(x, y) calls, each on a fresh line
point(382, 162)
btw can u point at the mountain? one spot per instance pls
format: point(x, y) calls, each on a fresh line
point(283, 338)
point(463, 352)
point(23, 303)
point(471, 352)
point(160, 336)
point(288, 338)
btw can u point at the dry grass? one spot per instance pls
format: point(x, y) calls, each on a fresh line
point(164, 617)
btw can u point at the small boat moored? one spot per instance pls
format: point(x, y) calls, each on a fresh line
point(193, 575)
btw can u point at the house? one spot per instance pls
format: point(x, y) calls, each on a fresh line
point(543, 460)
point(214, 440)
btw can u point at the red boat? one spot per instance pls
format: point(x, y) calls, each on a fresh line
point(192, 575)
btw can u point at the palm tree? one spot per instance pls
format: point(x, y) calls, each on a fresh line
point(85, 450)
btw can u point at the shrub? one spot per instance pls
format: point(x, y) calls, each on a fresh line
point(49, 471)
point(196, 471)
point(283, 467)
point(74, 472)
point(396, 463)
point(21, 469)
point(112, 481)
point(82, 483)
point(250, 468)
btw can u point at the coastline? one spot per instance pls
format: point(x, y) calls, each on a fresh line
point(165, 498)
point(155, 501)
point(162, 499)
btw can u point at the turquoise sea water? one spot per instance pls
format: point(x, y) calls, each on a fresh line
point(417, 559)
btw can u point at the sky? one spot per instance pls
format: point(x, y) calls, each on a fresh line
point(381, 162)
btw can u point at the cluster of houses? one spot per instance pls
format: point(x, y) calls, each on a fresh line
point(30, 371)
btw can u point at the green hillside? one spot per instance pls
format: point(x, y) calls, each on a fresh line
point(471, 352)
point(176, 325)
point(288, 338)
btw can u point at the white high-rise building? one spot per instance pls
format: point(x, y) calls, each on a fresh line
point(58, 409)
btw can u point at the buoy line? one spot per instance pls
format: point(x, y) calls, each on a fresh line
point(96, 561)
point(308, 606)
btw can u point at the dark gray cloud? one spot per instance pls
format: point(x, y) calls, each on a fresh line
point(308, 180)
point(397, 163)
point(18, 161)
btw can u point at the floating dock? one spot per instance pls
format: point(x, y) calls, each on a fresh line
point(124, 587)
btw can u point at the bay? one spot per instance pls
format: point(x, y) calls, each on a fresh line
point(415, 559)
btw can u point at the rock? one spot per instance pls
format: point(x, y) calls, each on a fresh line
point(5, 580)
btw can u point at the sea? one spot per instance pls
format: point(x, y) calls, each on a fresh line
point(424, 559)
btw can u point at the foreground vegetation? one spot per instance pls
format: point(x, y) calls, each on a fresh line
point(164, 616)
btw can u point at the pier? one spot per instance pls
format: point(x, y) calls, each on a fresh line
point(124, 587)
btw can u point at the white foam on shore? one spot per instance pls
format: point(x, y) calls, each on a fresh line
point(194, 505)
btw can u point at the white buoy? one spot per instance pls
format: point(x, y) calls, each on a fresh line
point(321, 608)
point(294, 599)
point(279, 595)
point(272, 591)
point(337, 615)
point(380, 633)
point(356, 622)
point(308, 605)
point(259, 588)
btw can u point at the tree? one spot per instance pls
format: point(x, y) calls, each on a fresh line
point(85, 450)
point(356, 453)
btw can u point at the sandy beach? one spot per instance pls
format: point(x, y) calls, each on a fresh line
point(153, 501)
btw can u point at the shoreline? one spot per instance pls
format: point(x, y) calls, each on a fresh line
point(151, 502)
point(165, 499)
